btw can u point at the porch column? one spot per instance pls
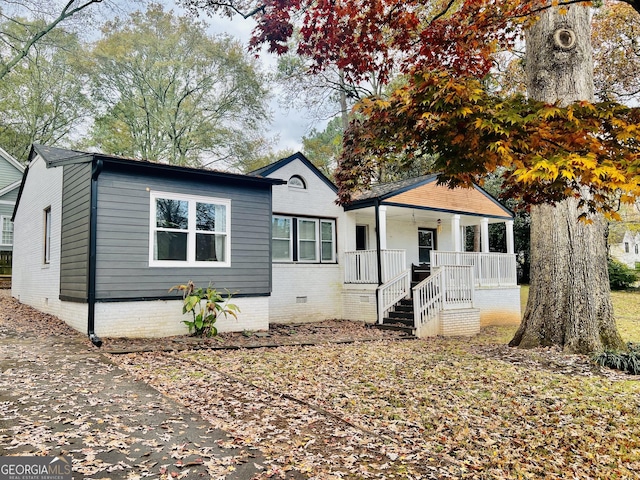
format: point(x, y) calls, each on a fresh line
point(383, 227)
point(455, 232)
point(484, 235)
point(510, 241)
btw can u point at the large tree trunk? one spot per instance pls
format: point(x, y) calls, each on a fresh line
point(569, 299)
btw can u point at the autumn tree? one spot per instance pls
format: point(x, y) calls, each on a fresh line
point(169, 91)
point(559, 151)
point(616, 44)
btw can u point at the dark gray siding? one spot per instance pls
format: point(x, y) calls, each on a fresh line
point(123, 238)
point(74, 249)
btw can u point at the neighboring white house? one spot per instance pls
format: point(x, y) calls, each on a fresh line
point(10, 175)
point(627, 250)
point(357, 262)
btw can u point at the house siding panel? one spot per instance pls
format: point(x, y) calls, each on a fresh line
point(463, 200)
point(8, 173)
point(74, 249)
point(123, 238)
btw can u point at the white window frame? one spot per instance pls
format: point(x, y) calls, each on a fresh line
point(290, 259)
point(46, 254)
point(333, 240)
point(4, 218)
point(316, 241)
point(191, 230)
point(294, 239)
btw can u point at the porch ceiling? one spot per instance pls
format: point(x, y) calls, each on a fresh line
point(420, 216)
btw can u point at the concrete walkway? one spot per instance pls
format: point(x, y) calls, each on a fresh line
point(60, 395)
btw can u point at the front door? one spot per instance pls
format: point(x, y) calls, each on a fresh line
point(426, 243)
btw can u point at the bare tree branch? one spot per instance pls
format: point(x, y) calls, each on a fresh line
point(22, 51)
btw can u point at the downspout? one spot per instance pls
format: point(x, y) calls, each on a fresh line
point(378, 255)
point(96, 169)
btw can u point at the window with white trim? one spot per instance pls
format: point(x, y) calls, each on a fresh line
point(301, 239)
point(7, 230)
point(281, 239)
point(188, 230)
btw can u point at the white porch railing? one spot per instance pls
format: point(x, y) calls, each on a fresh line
point(427, 301)
point(361, 266)
point(449, 287)
point(491, 269)
point(392, 292)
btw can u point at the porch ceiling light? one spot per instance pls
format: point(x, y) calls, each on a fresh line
point(439, 228)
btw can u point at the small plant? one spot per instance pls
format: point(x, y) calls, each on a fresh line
point(628, 362)
point(205, 305)
point(621, 277)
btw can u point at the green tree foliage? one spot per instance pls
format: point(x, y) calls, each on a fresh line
point(168, 91)
point(323, 148)
point(43, 100)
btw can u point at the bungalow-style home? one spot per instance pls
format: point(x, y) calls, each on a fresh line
point(99, 240)
point(10, 175)
point(393, 256)
point(624, 246)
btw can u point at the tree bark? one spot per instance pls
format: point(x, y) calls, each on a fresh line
point(569, 298)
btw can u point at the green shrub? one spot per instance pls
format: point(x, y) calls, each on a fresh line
point(205, 305)
point(628, 362)
point(621, 277)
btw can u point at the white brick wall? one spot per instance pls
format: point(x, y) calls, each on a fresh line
point(163, 318)
point(359, 303)
point(462, 322)
point(499, 306)
point(33, 282)
point(305, 293)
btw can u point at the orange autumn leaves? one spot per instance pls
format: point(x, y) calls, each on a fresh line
point(547, 153)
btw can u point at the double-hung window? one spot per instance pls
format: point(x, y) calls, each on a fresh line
point(7, 230)
point(188, 230)
point(308, 240)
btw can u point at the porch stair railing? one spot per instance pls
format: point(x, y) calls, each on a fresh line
point(391, 292)
point(449, 287)
point(416, 310)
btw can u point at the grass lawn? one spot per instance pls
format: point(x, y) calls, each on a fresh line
point(433, 408)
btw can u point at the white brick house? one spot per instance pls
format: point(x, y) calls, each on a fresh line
point(365, 259)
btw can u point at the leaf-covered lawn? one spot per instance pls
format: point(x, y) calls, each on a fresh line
point(436, 408)
point(626, 306)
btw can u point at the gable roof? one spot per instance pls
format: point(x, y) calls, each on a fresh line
point(269, 169)
point(425, 193)
point(11, 177)
point(12, 161)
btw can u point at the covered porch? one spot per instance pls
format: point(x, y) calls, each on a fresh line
point(409, 242)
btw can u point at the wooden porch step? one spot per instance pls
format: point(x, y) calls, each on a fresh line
point(398, 328)
point(398, 321)
point(402, 315)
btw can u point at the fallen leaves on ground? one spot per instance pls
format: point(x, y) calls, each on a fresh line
point(435, 408)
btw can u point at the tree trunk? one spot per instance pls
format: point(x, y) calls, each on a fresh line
point(569, 298)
